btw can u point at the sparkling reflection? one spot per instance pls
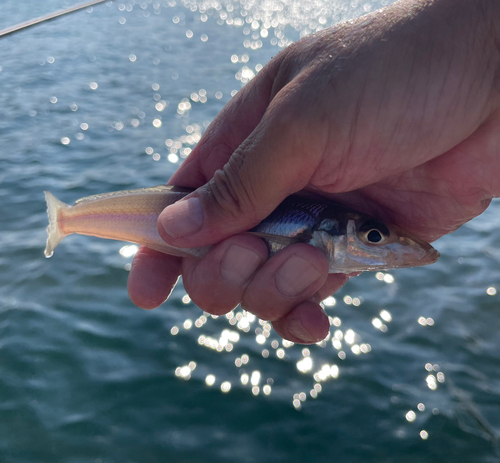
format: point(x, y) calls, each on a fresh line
point(425, 321)
point(129, 250)
point(225, 386)
point(491, 291)
point(431, 382)
point(305, 365)
point(424, 434)
point(386, 316)
point(388, 278)
point(411, 416)
point(329, 301)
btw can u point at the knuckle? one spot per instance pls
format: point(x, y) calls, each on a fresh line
point(231, 193)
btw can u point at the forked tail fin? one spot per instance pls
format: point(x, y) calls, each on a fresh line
point(55, 235)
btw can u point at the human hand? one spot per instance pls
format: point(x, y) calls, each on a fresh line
point(395, 114)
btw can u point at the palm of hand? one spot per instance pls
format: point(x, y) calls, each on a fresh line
point(430, 200)
point(438, 196)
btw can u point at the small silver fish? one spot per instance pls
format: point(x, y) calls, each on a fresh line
point(351, 241)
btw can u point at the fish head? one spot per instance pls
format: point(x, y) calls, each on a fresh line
point(357, 243)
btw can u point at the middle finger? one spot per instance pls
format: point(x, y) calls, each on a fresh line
point(284, 281)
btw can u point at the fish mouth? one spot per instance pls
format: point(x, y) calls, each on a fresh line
point(430, 258)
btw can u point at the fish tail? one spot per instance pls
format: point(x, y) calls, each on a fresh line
point(55, 235)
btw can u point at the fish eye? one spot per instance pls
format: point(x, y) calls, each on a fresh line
point(374, 232)
point(374, 236)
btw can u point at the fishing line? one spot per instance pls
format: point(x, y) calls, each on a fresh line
point(48, 17)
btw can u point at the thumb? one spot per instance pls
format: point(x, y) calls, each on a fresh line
point(267, 167)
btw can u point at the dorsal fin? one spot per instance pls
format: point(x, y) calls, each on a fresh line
point(151, 190)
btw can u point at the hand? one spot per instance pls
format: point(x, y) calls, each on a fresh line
point(395, 114)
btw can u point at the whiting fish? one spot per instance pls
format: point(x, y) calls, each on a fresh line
point(351, 241)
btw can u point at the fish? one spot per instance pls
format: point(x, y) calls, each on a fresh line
point(350, 240)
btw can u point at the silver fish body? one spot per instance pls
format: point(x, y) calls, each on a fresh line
point(351, 241)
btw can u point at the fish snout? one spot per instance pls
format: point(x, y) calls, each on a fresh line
point(431, 256)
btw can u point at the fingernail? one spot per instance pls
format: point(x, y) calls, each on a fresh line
point(297, 330)
point(238, 265)
point(182, 218)
point(295, 275)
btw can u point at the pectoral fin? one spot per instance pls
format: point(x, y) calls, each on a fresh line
point(283, 240)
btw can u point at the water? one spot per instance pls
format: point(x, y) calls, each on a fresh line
point(114, 99)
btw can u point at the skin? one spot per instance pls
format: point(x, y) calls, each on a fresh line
point(396, 114)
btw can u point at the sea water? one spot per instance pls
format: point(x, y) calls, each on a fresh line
point(115, 97)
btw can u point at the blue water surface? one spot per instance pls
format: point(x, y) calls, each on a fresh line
point(114, 97)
